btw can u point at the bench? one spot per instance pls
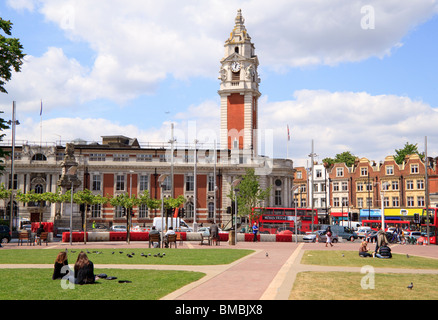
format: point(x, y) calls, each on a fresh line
point(24, 236)
point(43, 237)
point(155, 237)
point(205, 237)
point(171, 238)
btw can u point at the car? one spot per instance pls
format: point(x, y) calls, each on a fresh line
point(5, 234)
point(118, 228)
point(321, 234)
point(371, 236)
point(362, 231)
point(414, 234)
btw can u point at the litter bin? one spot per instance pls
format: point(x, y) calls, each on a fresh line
point(232, 237)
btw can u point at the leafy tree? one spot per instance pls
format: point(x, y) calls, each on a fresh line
point(11, 54)
point(11, 58)
point(250, 194)
point(408, 149)
point(345, 157)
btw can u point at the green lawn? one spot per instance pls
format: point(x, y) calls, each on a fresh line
point(37, 284)
point(367, 285)
point(352, 259)
point(172, 256)
point(348, 286)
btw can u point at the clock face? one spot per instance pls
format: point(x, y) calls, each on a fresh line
point(235, 66)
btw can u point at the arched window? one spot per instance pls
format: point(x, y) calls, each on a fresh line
point(39, 189)
point(189, 210)
point(39, 157)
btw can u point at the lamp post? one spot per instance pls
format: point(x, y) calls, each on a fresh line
point(12, 122)
point(382, 195)
point(294, 188)
point(234, 185)
point(161, 180)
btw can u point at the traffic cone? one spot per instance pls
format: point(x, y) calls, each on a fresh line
point(316, 237)
point(424, 242)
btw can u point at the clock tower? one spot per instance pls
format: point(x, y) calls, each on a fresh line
point(239, 92)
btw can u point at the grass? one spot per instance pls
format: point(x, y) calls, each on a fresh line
point(37, 284)
point(352, 259)
point(367, 285)
point(172, 257)
point(347, 286)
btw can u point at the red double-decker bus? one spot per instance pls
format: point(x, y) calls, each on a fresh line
point(433, 224)
point(272, 220)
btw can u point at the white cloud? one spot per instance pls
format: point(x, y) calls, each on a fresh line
point(368, 126)
point(138, 44)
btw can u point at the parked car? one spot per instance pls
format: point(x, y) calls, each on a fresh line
point(118, 228)
point(362, 232)
point(415, 234)
point(371, 236)
point(322, 237)
point(5, 234)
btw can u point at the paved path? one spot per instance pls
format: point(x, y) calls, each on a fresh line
point(266, 274)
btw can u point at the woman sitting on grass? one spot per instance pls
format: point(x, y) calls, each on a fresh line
point(61, 261)
point(84, 269)
point(363, 250)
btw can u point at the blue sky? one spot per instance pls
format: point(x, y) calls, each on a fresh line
point(110, 67)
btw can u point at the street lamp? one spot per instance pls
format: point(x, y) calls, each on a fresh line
point(294, 188)
point(161, 180)
point(234, 185)
point(12, 122)
point(382, 195)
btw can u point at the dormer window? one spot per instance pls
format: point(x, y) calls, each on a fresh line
point(236, 49)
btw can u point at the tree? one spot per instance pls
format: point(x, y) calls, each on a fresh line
point(250, 194)
point(345, 157)
point(408, 149)
point(11, 58)
point(11, 54)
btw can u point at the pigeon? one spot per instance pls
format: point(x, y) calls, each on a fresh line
point(73, 251)
point(88, 251)
point(407, 255)
point(410, 286)
point(133, 253)
point(267, 255)
point(142, 254)
point(129, 256)
point(343, 255)
point(113, 252)
point(120, 252)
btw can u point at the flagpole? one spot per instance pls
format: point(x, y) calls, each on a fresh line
point(41, 124)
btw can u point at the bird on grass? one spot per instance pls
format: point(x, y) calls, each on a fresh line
point(410, 286)
point(407, 255)
point(128, 255)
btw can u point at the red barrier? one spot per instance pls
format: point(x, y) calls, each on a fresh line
point(223, 236)
point(117, 236)
point(48, 226)
point(139, 236)
point(250, 237)
point(283, 238)
point(76, 237)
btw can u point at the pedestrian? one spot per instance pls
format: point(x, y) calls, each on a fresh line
point(59, 269)
point(38, 233)
point(214, 232)
point(329, 236)
point(166, 236)
point(155, 231)
point(255, 229)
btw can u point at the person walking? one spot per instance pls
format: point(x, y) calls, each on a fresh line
point(255, 229)
point(329, 236)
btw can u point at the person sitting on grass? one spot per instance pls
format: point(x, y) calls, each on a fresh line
point(84, 269)
point(384, 252)
point(363, 250)
point(61, 261)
